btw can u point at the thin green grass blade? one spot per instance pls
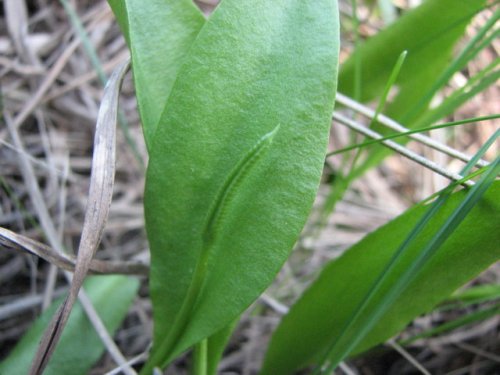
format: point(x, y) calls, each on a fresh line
point(381, 104)
point(461, 322)
point(480, 153)
point(467, 54)
point(473, 295)
point(474, 86)
point(389, 85)
point(337, 354)
point(466, 171)
point(414, 131)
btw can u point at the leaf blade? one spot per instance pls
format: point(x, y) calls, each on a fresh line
point(222, 103)
point(317, 322)
point(80, 346)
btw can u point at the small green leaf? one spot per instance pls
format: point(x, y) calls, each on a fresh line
point(254, 65)
point(159, 34)
point(323, 310)
point(80, 346)
point(476, 294)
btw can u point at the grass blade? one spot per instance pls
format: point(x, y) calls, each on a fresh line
point(339, 350)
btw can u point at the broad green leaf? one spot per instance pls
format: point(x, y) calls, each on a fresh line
point(322, 311)
point(236, 162)
point(159, 34)
point(391, 282)
point(80, 346)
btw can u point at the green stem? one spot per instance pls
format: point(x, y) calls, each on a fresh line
point(200, 358)
point(163, 355)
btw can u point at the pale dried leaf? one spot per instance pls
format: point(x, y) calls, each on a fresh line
point(100, 194)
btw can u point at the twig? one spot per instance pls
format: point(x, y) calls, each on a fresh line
point(25, 303)
point(393, 344)
point(400, 149)
point(390, 123)
point(46, 84)
point(64, 261)
point(138, 358)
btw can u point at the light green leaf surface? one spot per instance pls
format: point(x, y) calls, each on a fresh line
point(254, 66)
point(80, 346)
point(159, 34)
point(323, 310)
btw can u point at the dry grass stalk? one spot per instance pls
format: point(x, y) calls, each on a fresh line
point(15, 241)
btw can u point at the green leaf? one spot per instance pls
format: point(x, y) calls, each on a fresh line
point(391, 282)
point(322, 311)
point(216, 345)
point(428, 33)
point(476, 294)
point(159, 34)
point(80, 346)
point(216, 166)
